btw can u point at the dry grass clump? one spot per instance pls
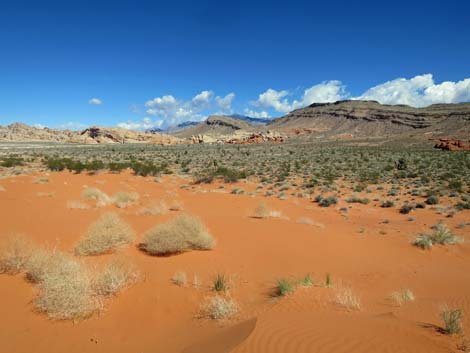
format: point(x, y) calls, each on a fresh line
point(180, 279)
point(101, 198)
point(345, 297)
point(176, 206)
point(402, 296)
point(263, 211)
point(196, 281)
point(68, 289)
point(44, 260)
point(15, 254)
point(180, 234)
point(115, 276)
point(452, 319)
point(77, 205)
point(41, 180)
point(442, 235)
point(125, 199)
point(219, 307)
point(105, 235)
point(65, 285)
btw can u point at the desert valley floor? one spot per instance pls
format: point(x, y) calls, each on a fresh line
point(364, 249)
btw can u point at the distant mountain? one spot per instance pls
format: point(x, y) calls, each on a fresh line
point(354, 118)
point(216, 125)
point(154, 130)
point(255, 121)
point(187, 124)
point(93, 135)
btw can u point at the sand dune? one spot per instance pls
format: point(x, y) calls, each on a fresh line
point(155, 315)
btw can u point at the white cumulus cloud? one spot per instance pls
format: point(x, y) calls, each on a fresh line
point(255, 114)
point(144, 124)
point(328, 91)
point(95, 101)
point(225, 103)
point(167, 111)
point(419, 91)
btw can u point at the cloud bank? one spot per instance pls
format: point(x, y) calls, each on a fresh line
point(419, 91)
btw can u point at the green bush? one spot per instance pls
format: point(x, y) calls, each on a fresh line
point(387, 204)
point(432, 200)
point(328, 201)
point(9, 162)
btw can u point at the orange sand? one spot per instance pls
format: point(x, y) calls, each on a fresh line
point(155, 315)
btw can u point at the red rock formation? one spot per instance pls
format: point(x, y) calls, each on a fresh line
point(452, 145)
point(257, 138)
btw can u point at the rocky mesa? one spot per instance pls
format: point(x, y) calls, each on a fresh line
point(372, 119)
point(93, 135)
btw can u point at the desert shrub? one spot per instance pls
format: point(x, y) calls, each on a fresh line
point(345, 297)
point(284, 287)
point(180, 278)
point(219, 307)
point(124, 199)
point(65, 286)
point(432, 200)
point(176, 206)
point(423, 241)
point(115, 276)
point(15, 253)
point(59, 164)
point(94, 165)
point(9, 162)
point(463, 206)
point(105, 235)
point(307, 281)
point(262, 211)
point(96, 194)
point(328, 282)
point(117, 167)
point(327, 201)
point(405, 209)
point(54, 164)
point(227, 174)
point(452, 319)
point(237, 191)
point(180, 234)
point(387, 204)
point(401, 164)
point(149, 169)
point(441, 235)
point(455, 185)
point(220, 283)
point(402, 296)
point(355, 199)
point(42, 261)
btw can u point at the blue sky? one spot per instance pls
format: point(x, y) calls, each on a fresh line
point(151, 63)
